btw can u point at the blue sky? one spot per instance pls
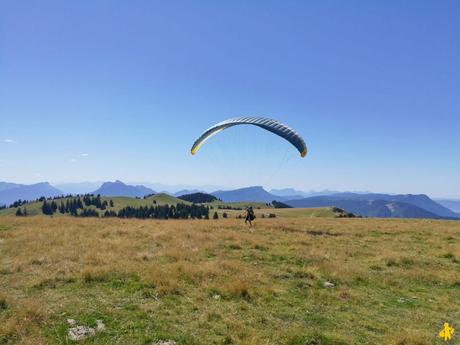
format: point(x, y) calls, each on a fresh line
point(99, 90)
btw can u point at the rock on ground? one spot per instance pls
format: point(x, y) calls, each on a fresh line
point(328, 285)
point(78, 333)
point(81, 332)
point(100, 326)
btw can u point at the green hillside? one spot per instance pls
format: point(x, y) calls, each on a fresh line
point(231, 209)
point(119, 202)
point(163, 198)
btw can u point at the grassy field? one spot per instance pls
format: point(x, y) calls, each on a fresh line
point(217, 282)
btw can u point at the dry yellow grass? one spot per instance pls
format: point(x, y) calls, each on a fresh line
point(216, 282)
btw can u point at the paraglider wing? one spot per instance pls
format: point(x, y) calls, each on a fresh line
point(268, 124)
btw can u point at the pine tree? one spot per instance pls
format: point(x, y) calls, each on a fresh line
point(215, 216)
point(87, 200)
point(46, 208)
point(19, 212)
point(54, 206)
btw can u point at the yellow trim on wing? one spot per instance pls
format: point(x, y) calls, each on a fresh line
point(198, 145)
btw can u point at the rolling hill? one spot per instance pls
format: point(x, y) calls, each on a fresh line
point(34, 208)
point(198, 198)
point(231, 209)
point(119, 188)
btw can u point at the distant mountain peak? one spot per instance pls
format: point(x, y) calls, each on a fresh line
point(246, 194)
point(44, 184)
point(108, 183)
point(259, 188)
point(14, 192)
point(119, 188)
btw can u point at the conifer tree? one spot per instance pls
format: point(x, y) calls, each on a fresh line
point(54, 206)
point(46, 208)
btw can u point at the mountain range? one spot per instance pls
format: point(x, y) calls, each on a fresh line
point(363, 204)
point(368, 208)
point(353, 201)
point(11, 192)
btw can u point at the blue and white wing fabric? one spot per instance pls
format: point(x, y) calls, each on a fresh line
point(268, 124)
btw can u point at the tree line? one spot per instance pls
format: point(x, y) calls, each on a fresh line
point(90, 198)
point(80, 207)
point(198, 198)
point(179, 211)
point(73, 206)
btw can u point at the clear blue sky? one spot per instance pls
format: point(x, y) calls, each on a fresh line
point(98, 90)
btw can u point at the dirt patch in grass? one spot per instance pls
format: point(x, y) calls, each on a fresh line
point(321, 233)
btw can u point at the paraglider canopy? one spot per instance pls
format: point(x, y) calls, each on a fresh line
point(268, 124)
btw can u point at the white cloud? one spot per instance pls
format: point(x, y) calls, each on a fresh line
point(9, 141)
point(84, 154)
point(72, 160)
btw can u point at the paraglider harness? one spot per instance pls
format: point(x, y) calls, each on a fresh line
point(250, 216)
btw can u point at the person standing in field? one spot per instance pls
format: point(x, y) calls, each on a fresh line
point(250, 216)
